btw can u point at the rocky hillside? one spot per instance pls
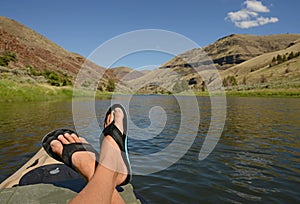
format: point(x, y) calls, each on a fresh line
point(38, 59)
point(244, 62)
point(237, 48)
point(35, 51)
point(124, 73)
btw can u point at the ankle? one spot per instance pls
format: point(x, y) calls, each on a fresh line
point(84, 164)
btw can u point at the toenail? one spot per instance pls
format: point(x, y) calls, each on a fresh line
point(52, 143)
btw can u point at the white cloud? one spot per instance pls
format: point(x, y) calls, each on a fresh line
point(263, 20)
point(241, 15)
point(249, 16)
point(256, 6)
point(257, 22)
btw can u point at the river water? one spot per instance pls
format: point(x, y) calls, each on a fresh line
point(256, 159)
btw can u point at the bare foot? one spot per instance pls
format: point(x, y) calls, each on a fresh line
point(83, 161)
point(111, 155)
point(111, 170)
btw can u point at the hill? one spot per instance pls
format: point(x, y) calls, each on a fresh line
point(237, 48)
point(280, 68)
point(124, 73)
point(245, 62)
point(37, 53)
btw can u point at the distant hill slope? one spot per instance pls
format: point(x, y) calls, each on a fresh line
point(35, 50)
point(266, 68)
point(249, 63)
point(237, 48)
point(124, 73)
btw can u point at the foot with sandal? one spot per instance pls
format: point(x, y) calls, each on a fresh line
point(103, 176)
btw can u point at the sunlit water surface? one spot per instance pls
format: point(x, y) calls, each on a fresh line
point(257, 159)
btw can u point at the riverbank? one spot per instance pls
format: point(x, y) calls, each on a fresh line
point(11, 91)
point(273, 92)
point(279, 92)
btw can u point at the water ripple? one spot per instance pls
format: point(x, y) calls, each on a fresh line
point(257, 159)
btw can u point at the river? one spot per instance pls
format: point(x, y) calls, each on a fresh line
point(256, 159)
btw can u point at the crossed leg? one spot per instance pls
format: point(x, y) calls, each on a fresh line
point(110, 172)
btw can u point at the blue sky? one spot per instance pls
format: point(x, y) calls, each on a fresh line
point(81, 26)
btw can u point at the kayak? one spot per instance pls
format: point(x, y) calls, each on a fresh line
point(45, 180)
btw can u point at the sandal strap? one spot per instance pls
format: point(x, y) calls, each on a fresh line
point(113, 131)
point(116, 134)
point(70, 149)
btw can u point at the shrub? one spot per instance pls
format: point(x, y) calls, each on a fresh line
point(56, 78)
point(279, 58)
point(110, 85)
point(229, 81)
point(180, 86)
point(100, 88)
point(283, 58)
point(244, 80)
point(263, 79)
point(33, 71)
point(6, 57)
point(287, 70)
point(86, 84)
point(291, 56)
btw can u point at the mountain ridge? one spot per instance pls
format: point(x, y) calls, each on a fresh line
point(237, 48)
point(252, 70)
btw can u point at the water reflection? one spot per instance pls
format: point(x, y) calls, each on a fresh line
point(256, 160)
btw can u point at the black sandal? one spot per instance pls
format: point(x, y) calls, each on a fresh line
point(68, 149)
point(120, 139)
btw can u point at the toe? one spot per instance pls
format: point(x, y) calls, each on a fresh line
point(56, 147)
point(119, 115)
point(109, 119)
point(119, 112)
point(81, 139)
point(69, 137)
point(76, 138)
point(63, 139)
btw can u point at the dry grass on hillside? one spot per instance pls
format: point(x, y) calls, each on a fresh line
point(254, 70)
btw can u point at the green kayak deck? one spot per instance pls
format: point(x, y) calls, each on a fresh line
point(18, 188)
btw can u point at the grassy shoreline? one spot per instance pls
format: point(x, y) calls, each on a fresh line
point(278, 92)
point(11, 91)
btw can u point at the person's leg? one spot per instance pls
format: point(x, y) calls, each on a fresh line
point(110, 172)
point(84, 162)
